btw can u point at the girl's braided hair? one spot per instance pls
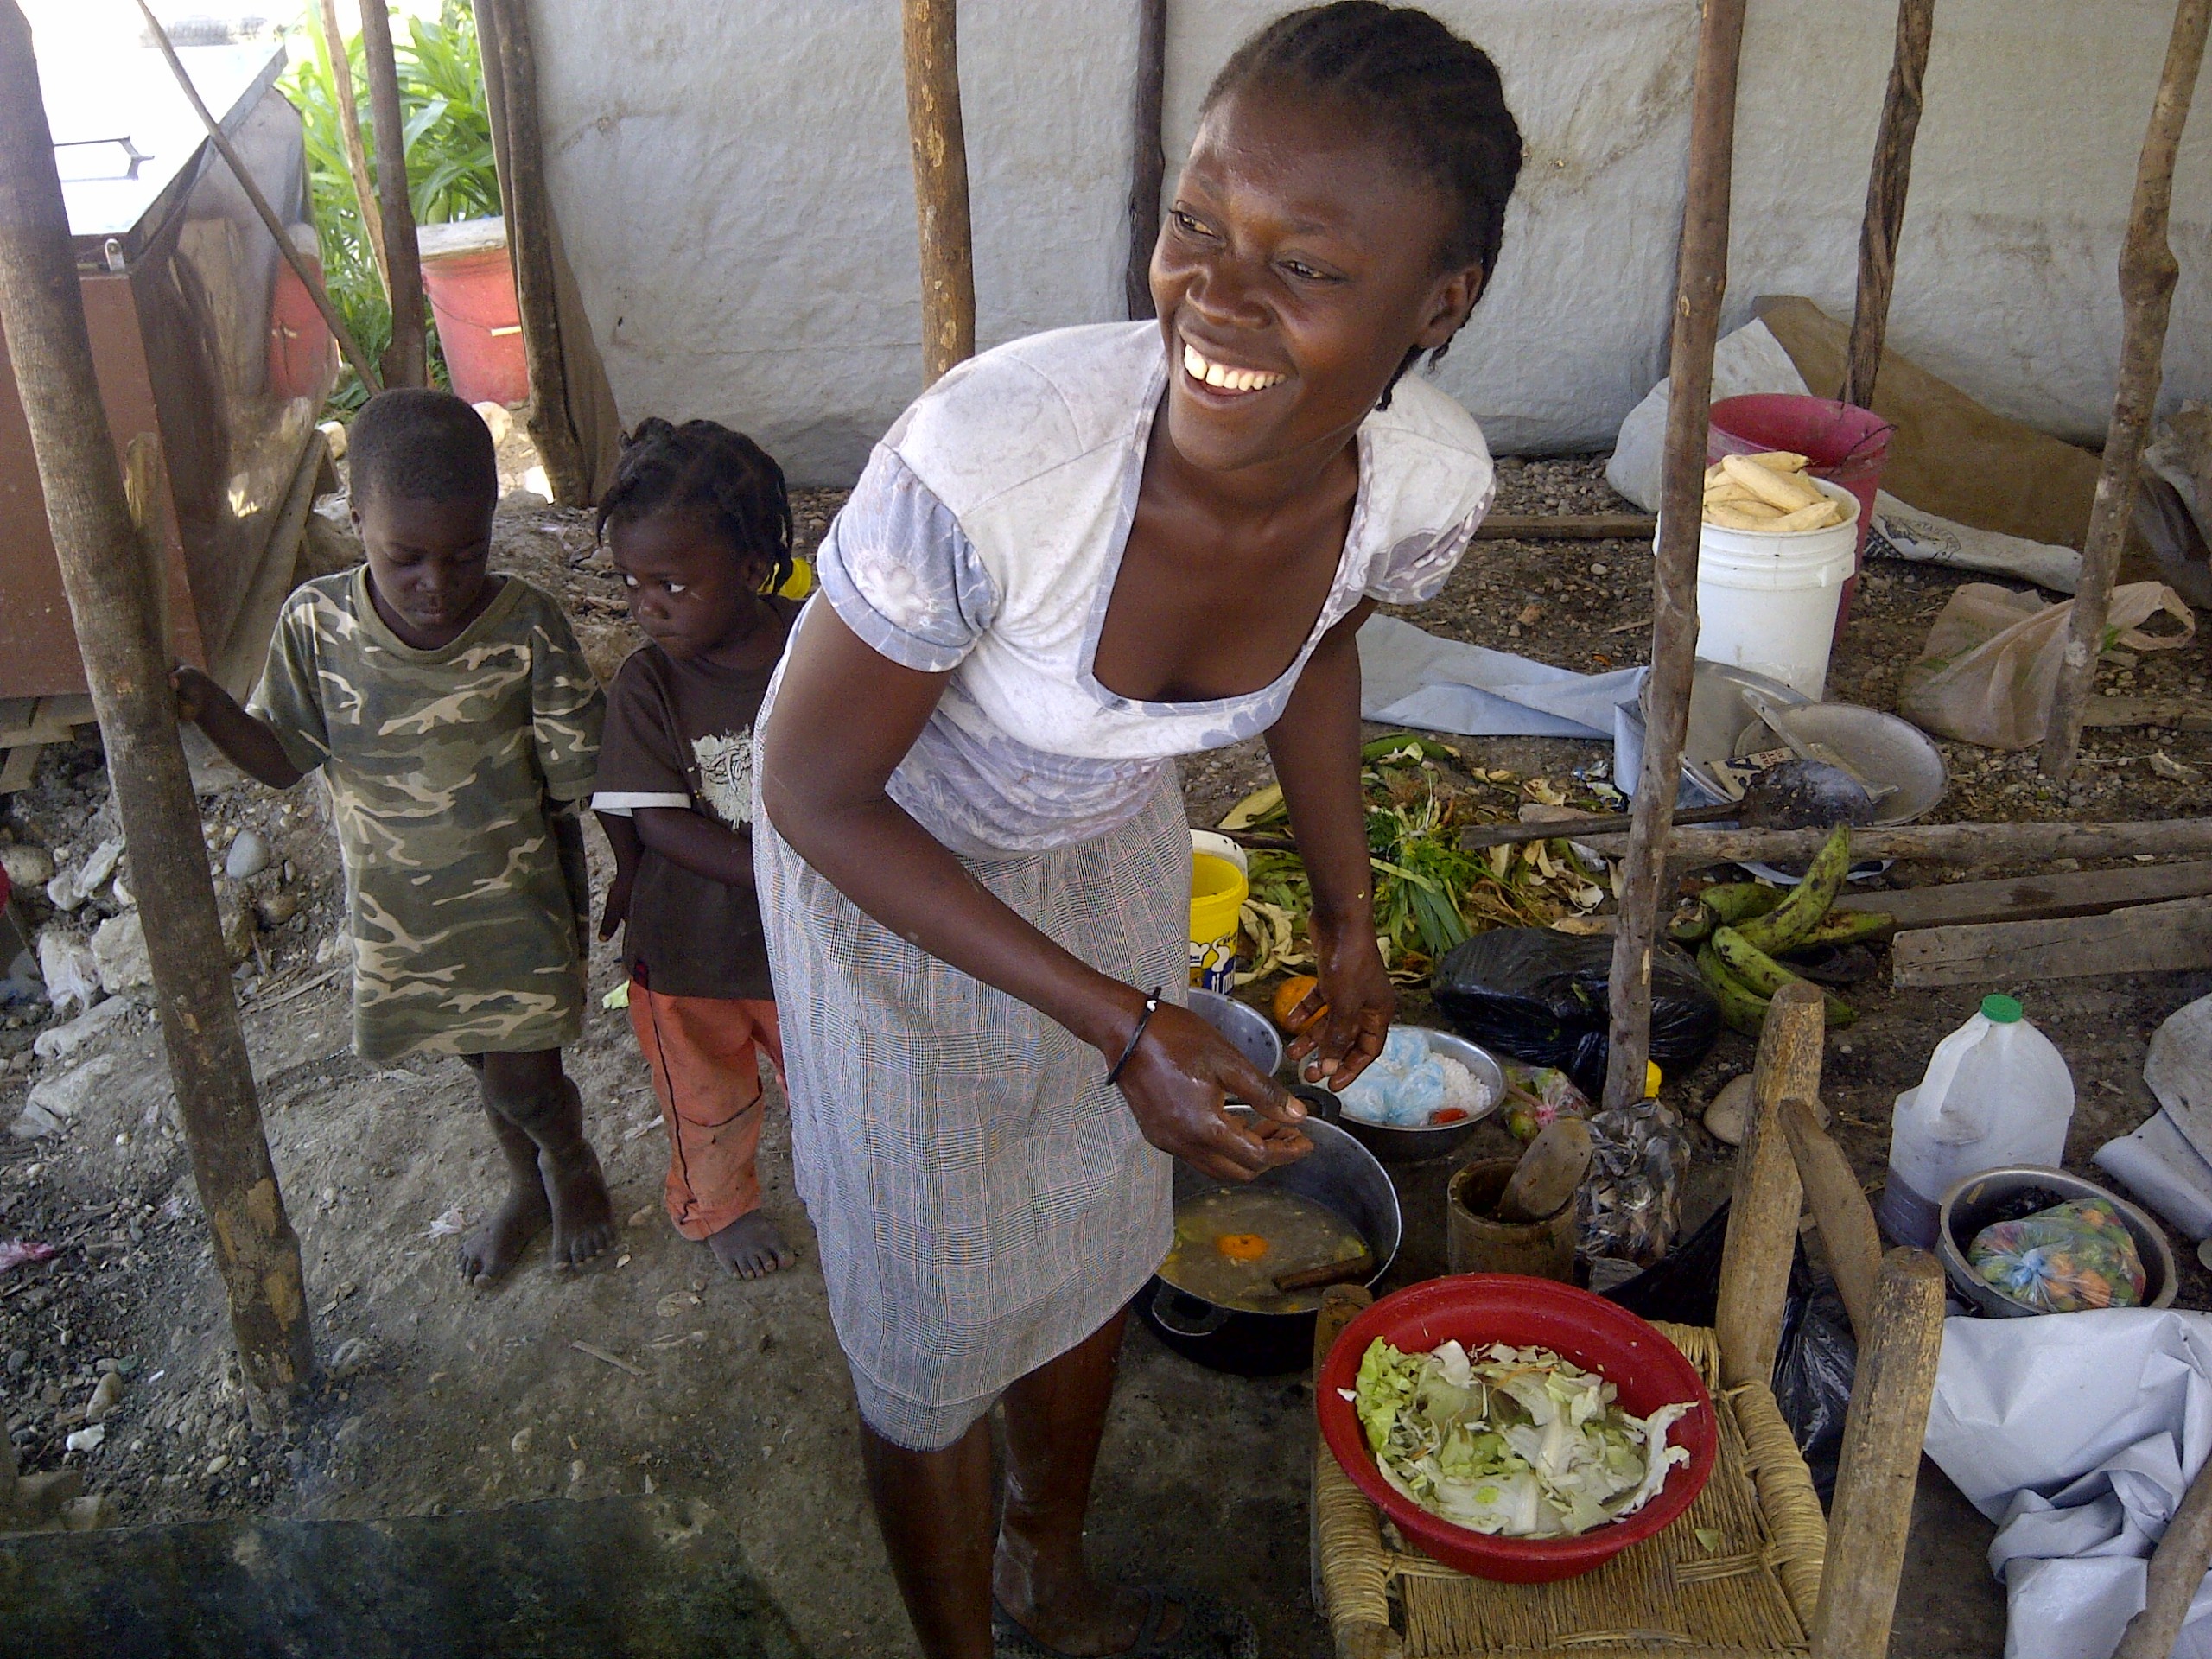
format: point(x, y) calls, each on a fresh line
point(702, 467)
point(1436, 96)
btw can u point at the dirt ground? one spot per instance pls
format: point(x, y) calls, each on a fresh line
point(650, 1371)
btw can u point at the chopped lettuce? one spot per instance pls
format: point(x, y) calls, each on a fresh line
point(1513, 1442)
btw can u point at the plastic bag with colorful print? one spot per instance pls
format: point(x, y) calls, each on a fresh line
point(2063, 1260)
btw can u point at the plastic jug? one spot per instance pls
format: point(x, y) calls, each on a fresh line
point(1997, 1091)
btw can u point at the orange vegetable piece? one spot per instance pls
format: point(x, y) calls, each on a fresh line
point(1288, 994)
point(1242, 1247)
point(1449, 1115)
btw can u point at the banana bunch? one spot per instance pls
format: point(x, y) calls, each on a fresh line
point(1739, 930)
point(1768, 493)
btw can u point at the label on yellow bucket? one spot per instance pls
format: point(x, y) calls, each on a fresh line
point(1218, 893)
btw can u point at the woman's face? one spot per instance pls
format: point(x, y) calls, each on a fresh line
point(1296, 267)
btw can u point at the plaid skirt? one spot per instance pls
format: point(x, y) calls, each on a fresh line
point(982, 1198)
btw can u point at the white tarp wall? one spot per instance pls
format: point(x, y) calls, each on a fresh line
point(734, 186)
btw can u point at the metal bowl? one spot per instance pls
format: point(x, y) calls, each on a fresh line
point(1396, 1146)
point(1881, 748)
point(1252, 1031)
point(1969, 1206)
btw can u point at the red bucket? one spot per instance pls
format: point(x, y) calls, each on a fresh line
point(472, 289)
point(1841, 443)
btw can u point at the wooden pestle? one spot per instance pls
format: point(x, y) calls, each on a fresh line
point(1548, 1171)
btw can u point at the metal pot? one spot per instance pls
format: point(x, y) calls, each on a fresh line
point(1969, 1206)
point(1396, 1145)
point(1252, 1031)
point(1339, 1174)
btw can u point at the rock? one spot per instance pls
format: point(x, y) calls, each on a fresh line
point(88, 1514)
point(100, 866)
point(86, 1439)
point(66, 962)
point(279, 908)
point(105, 1398)
point(1728, 1119)
point(59, 1042)
point(334, 434)
point(496, 416)
point(349, 1358)
point(247, 857)
point(27, 866)
point(119, 950)
point(54, 1103)
point(240, 928)
point(39, 1498)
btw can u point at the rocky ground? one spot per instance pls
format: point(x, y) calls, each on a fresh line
point(651, 1371)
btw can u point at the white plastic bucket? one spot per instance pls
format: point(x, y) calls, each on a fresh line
point(1768, 602)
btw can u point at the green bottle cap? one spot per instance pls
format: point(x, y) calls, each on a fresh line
point(2001, 1010)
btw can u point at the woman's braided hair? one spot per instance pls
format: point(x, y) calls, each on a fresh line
point(702, 467)
point(1436, 95)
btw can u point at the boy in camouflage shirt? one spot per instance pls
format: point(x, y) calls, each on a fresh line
point(456, 724)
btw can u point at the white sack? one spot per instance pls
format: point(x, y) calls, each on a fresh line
point(1750, 360)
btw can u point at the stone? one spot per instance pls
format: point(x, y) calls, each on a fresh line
point(106, 1396)
point(59, 1042)
point(247, 857)
point(66, 962)
point(88, 1514)
point(30, 868)
point(86, 1439)
point(240, 927)
point(279, 908)
point(1728, 1119)
point(120, 952)
point(39, 1498)
point(54, 1103)
point(349, 1358)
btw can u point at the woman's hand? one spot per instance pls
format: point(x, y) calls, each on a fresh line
point(1175, 1083)
point(1360, 1001)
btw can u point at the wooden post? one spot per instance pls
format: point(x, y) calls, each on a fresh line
point(1872, 1514)
point(932, 30)
point(1148, 163)
point(521, 158)
point(1763, 1219)
point(2177, 1569)
point(1886, 194)
point(406, 360)
point(2147, 274)
point(310, 277)
point(1991, 844)
point(1703, 279)
point(349, 130)
point(104, 574)
point(1840, 1211)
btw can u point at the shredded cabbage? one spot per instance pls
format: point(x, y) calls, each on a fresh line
point(1513, 1442)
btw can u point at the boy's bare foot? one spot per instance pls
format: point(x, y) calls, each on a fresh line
point(583, 1211)
point(488, 1251)
point(751, 1248)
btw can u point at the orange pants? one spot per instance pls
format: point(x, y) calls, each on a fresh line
point(704, 1053)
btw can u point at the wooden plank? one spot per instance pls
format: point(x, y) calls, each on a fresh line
point(238, 665)
point(1762, 1222)
point(2176, 714)
point(1885, 197)
point(2146, 939)
point(2036, 897)
point(1994, 845)
point(1566, 527)
point(22, 766)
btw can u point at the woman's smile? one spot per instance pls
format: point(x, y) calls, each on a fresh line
point(1223, 378)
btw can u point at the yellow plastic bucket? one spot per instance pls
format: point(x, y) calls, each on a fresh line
point(1218, 893)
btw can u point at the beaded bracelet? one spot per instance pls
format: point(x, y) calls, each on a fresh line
point(1151, 1007)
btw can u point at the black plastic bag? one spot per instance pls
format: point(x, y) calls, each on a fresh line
point(1539, 995)
point(1683, 1287)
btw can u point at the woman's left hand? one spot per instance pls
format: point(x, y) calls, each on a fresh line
point(1360, 1002)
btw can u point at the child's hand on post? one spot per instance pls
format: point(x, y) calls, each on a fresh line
point(194, 693)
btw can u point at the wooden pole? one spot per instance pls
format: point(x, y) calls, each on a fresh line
point(126, 661)
point(1840, 1211)
point(1702, 280)
point(521, 157)
point(310, 277)
point(1885, 196)
point(931, 30)
point(1763, 1217)
point(2147, 274)
point(1148, 163)
point(406, 360)
point(1879, 1466)
point(2177, 1569)
point(1991, 844)
point(349, 130)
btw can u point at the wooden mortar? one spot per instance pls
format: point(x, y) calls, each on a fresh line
point(1476, 1242)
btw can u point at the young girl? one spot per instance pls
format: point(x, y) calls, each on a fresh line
point(701, 530)
point(455, 721)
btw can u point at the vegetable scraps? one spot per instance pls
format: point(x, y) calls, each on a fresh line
point(1515, 1442)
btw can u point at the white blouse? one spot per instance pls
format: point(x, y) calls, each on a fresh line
point(984, 538)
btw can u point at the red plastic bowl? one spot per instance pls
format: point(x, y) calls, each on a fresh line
point(1647, 1370)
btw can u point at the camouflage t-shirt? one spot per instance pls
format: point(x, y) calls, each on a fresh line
point(446, 770)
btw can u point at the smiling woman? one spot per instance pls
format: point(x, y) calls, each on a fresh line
point(1074, 559)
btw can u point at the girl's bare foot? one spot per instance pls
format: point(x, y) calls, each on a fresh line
point(488, 1251)
point(751, 1248)
point(583, 1211)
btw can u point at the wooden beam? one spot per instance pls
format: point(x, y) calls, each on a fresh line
point(1702, 280)
point(1840, 1211)
point(1763, 1214)
point(1149, 157)
point(1885, 197)
point(1993, 845)
point(349, 133)
point(98, 548)
point(2176, 714)
point(406, 359)
point(310, 278)
point(1566, 527)
point(2147, 274)
point(2144, 940)
point(940, 149)
point(2176, 1570)
point(2035, 898)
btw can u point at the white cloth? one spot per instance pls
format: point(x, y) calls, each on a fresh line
point(2079, 1433)
point(983, 541)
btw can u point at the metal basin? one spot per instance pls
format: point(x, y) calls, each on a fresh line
point(1975, 1202)
point(1397, 1146)
point(1252, 1031)
point(1880, 747)
point(1338, 1174)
